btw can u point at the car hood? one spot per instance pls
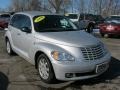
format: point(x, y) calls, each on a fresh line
point(69, 38)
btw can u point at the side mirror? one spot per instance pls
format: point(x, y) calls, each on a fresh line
point(26, 29)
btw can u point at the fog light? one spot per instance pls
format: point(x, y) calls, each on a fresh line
point(69, 75)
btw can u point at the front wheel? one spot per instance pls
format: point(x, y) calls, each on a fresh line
point(108, 35)
point(45, 69)
point(90, 29)
point(9, 48)
point(102, 34)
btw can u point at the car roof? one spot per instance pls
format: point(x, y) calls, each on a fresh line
point(115, 15)
point(35, 13)
point(71, 13)
point(4, 14)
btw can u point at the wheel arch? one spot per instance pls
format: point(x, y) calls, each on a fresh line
point(6, 38)
point(37, 55)
point(91, 24)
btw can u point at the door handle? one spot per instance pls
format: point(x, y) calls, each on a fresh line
point(18, 34)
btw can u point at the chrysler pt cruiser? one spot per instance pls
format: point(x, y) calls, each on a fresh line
point(57, 48)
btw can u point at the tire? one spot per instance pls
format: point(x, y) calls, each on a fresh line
point(9, 48)
point(45, 69)
point(102, 34)
point(90, 29)
point(107, 35)
point(110, 35)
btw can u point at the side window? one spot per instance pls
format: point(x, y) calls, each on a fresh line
point(27, 22)
point(12, 21)
point(16, 21)
point(20, 21)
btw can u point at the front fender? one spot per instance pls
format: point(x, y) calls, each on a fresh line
point(8, 35)
point(46, 48)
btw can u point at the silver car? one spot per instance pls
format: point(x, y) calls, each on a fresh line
point(56, 47)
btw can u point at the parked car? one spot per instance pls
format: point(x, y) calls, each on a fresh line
point(74, 17)
point(85, 21)
point(11, 13)
point(98, 19)
point(111, 26)
point(57, 48)
point(4, 20)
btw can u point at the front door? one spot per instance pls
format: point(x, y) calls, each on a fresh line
point(25, 39)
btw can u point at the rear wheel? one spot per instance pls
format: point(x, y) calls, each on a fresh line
point(108, 35)
point(45, 69)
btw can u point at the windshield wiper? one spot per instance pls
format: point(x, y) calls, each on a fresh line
point(70, 29)
point(51, 30)
point(57, 29)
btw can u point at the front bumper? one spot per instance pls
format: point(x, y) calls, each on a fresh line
point(79, 70)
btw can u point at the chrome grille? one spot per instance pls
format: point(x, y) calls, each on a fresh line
point(93, 53)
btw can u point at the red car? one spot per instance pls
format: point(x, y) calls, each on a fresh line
point(111, 26)
point(4, 20)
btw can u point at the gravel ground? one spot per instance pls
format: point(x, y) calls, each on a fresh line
point(18, 74)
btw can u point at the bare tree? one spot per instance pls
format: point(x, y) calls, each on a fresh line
point(82, 6)
point(66, 5)
point(112, 7)
point(59, 5)
point(102, 7)
point(22, 5)
point(56, 4)
point(116, 7)
point(34, 5)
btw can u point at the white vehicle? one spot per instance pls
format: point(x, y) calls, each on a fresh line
point(57, 48)
point(83, 21)
point(74, 17)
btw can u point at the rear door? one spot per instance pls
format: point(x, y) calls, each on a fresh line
point(22, 41)
point(26, 39)
point(14, 28)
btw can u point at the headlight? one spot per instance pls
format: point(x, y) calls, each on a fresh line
point(61, 56)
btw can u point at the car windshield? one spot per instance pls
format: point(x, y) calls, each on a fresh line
point(113, 19)
point(98, 18)
point(49, 23)
point(5, 17)
point(72, 16)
